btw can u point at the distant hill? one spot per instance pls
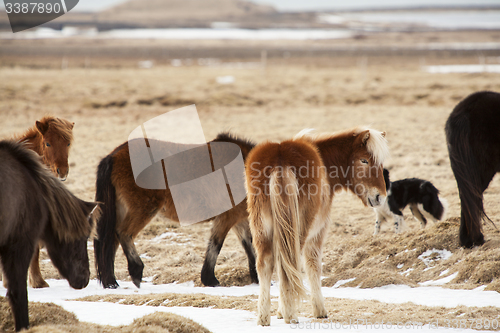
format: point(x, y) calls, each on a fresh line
point(185, 13)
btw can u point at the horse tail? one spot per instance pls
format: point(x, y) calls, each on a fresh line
point(68, 215)
point(466, 169)
point(104, 244)
point(286, 236)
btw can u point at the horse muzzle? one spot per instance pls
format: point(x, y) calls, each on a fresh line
point(62, 174)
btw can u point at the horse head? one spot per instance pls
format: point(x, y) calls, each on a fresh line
point(57, 136)
point(67, 246)
point(367, 177)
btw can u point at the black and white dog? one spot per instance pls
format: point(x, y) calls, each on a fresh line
point(419, 194)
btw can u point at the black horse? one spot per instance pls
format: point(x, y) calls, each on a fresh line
point(35, 206)
point(473, 136)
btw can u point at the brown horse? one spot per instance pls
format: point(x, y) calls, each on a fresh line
point(36, 207)
point(50, 138)
point(128, 208)
point(290, 187)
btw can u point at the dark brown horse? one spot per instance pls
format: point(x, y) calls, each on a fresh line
point(290, 189)
point(128, 208)
point(36, 207)
point(473, 136)
point(50, 138)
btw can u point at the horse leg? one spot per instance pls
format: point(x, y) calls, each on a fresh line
point(313, 251)
point(242, 230)
point(471, 232)
point(418, 215)
point(136, 218)
point(15, 262)
point(35, 275)
point(265, 265)
point(135, 264)
point(220, 227)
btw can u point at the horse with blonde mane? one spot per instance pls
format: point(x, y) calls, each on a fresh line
point(290, 187)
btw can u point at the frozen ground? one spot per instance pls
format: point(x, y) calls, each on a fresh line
point(225, 320)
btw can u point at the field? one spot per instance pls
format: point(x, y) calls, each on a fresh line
point(273, 101)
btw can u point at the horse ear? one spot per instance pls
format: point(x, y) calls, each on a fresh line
point(383, 134)
point(42, 127)
point(92, 211)
point(366, 136)
point(73, 125)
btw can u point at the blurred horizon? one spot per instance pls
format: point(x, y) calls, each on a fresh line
point(316, 5)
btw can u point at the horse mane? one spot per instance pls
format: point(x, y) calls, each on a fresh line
point(376, 145)
point(62, 126)
point(230, 137)
point(67, 213)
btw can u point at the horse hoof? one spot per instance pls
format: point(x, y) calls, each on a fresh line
point(254, 279)
point(114, 285)
point(39, 285)
point(137, 282)
point(213, 282)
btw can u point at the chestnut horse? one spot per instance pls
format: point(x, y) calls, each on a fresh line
point(290, 187)
point(473, 137)
point(37, 207)
point(50, 138)
point(128, 208)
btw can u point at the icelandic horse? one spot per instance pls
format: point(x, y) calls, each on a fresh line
point(128, 208)
point(51, 138)
point(35, 207)
point(290, 187)
point(473, 137)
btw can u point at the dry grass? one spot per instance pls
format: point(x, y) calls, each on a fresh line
point(276, 103)
point(51, 318)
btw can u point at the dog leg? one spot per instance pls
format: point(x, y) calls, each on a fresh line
point(418, 215)
point(379, 220)
point(398, 223)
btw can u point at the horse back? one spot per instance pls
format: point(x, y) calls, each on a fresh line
point(300, 155)
point(476, 120)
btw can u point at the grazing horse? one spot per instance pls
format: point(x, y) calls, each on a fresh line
point(290, 187)
point(37, 207)
point(473, 137)
point(50, 138)
point(128, 208)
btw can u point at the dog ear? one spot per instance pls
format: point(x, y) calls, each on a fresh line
point(386, 175)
